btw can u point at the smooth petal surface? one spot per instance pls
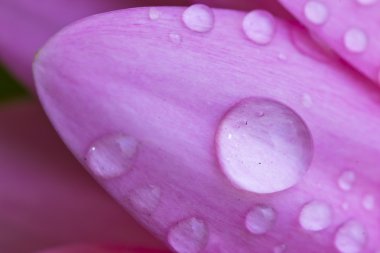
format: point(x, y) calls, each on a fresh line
point(27, 25)
point(157, 111)
point(46, 198)
point(351, 28)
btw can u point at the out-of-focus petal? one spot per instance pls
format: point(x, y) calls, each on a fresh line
point(178, 117)
point(46, 198)
point(26, 25)
point(351, 28)
point(100, 249)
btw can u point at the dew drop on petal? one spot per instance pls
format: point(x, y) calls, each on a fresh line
point(315, 216)
point(112, 155)
point(154, 13)
point(175, 38)
point(366, 2)
point(198, 18)
point(316, 12)
point(145, 199)
point(259, 26)
point(355, 40)
point(307, 101)
point(368, 202)
point(188, 236)
point(346, 180)
point(351, 237)
point(260, 219)
point(263, 146)
point(279, 249)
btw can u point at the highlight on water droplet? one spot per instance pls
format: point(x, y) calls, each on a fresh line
point(316, 12)
point(351, 237)
point(346, 180)
point(355, 40)
point(259, 26)
point(368, 202)
point(260, 219)
point(154, 13)
point(263, 146)
point(188, 236)
point(198, 18)
point(112, 155)
point(145, 199)
point(315, 216)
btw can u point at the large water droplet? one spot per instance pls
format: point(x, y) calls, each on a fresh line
point(316, 12)
point(260, 219)
point(315, 216)
point(346, 180)
point(263, 146)
point(368, 202)
point(112, 155)
point(145, 199)
point(198, 18)
point(355, 40)
point(259, 26)
point(188, 236)
point(351, 237)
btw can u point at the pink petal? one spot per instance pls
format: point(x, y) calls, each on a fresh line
point(147, 105)
point(99, 249)
point(26, 25)
point(46, 198)
point(351, 28)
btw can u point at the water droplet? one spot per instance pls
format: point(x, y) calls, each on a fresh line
point(188, 236)
point(282, 57)
point(310, 45)
point(175, 38)
point(145, 199)
point(154, 13)
point(259, 26)
point(345, 206)
point(355, 40)
point(307, 101)
point(279, 249)
point(316, 12)
point(369, 202)
point(112, 155)
point(315, 216)
point(263, 154)
point(198, 18)
point(260, 219)
point(346, 180)
point(366, 2)
point(351, 237)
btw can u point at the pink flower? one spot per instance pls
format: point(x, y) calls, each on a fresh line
point(225, 131)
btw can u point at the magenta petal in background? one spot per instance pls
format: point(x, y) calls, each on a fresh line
point(46, 198)
point(170, 114)
point(100, 249)
point(26, 25)
point(351, 28)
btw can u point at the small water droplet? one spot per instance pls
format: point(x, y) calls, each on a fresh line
point(279, 249)
point(315, 216)
point(154, 13)
point(346, 180)
point(259, 26)
point(307, 101)
point(199, 18)
point(175, 38)
point(366, 2)
point(260, 219)
point(270, 153)
point(112, 155)
point(316, 12)
point(145, 199)
point(345, 206)
point(188, 236)
point(368, 202)
point(351, 237)
point(355, 40)
point(282, 57)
